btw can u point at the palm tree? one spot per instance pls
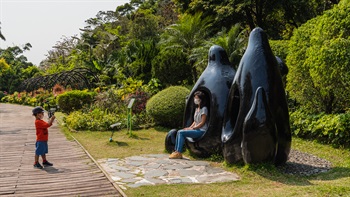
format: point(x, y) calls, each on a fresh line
point(233, 41)
point(189, 33)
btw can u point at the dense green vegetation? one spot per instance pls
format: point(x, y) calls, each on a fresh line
point(167, 107)
point(167, 40)
point(74, 100)
point(319, 62)
point(143, 47)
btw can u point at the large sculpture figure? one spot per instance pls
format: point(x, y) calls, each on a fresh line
point(256, 121)
point(215, 83)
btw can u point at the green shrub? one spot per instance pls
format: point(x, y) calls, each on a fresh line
point(326, 128)
point(96, 120)
point(109, 100)
point(2, 94)
point(318, 61)
point(280, 48)
point(167, 107)
point(74, 100)
point(50, 102)
point(170, 67)
point(7, 99)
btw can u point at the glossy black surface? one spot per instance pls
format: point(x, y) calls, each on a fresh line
point(170, 140)
point(258, 68)
point(282, 66)
point(259, 143)
point(215, 82)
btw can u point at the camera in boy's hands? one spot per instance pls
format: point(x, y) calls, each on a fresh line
point(51, 112)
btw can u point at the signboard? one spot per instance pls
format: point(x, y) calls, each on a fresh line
point(131, 103)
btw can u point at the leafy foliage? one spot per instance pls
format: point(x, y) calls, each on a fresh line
point(74, 100)
point(39, 97)
point(95, 120)
point(319, 62)
point(278, 18)
point(280, 48)
point(167, 106)
point(2, 94)
point(15, 68)
point(327, 128)
point(171, 67)
point(139, 105)
point(188, 33)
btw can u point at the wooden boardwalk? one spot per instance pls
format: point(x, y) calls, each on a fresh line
point(73, 173)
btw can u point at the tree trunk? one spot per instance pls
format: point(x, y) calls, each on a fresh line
point(250, 19)
point(194, 72)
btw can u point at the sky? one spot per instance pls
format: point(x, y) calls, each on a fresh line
point(43, 23)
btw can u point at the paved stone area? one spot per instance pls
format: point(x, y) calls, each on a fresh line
point(155, 169)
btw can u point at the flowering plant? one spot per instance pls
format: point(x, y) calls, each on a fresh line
point(141, 98)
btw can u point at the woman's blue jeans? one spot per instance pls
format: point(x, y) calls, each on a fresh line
point(181, 136)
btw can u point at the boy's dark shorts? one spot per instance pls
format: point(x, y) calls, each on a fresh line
point(41, 148)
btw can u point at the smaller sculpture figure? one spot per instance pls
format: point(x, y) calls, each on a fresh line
point(215, 83)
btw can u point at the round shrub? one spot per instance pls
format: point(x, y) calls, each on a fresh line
point(74, 100)
point(167, 106)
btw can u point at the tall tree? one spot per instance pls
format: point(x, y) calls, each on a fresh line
point(17, 67)
point(189, 33)
point(144, 25)
point(276, 17)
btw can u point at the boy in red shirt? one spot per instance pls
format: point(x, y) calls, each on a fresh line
point(42, 136)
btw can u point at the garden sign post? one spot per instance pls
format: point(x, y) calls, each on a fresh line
point(129, 123)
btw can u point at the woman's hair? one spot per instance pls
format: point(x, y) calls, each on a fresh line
point(201, 96)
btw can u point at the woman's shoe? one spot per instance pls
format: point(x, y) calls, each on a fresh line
point(175, 155)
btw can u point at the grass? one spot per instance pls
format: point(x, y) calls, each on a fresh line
point(256, 180)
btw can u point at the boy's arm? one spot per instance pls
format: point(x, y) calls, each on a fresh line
point(51, 120)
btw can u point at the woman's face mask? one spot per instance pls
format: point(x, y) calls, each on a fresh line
point(197, 101)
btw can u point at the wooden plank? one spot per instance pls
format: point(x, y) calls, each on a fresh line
point(73, 173)
point(68, 192)
point(7, 190)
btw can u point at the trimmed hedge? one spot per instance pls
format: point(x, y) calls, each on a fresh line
point(74, 100)
point(96, 120)
point(167, 106)
point(326, 128)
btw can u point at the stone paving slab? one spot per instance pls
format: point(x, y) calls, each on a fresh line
point(153, 169)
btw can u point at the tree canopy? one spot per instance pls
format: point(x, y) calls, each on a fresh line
point(168, 41)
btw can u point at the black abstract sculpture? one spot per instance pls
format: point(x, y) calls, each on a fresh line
point(256, 121)
point(215, 83)
point(248, 109)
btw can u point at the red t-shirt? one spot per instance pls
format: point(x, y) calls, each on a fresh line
point(42, 133)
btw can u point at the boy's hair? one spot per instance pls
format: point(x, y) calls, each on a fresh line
point(37, 110)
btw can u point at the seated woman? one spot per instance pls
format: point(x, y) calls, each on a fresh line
point(197, 128)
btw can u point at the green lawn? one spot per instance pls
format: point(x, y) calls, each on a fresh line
point(259, 180)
